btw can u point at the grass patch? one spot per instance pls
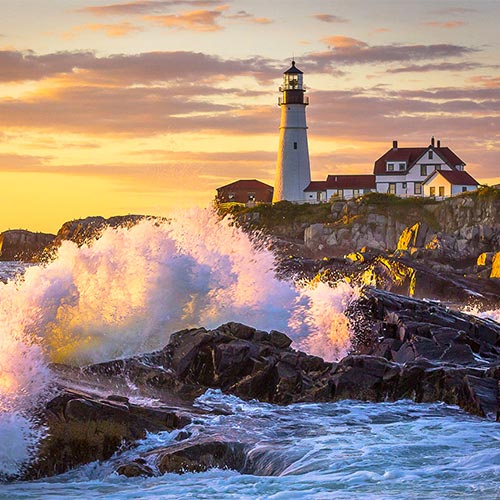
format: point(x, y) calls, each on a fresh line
point(283, 217)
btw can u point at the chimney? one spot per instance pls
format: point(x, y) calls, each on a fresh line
point(394, 144)
point(432, 141)
point(439, 143)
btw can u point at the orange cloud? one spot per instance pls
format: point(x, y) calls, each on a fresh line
point(343, 42)
point(142, 7)
point(195, 20)
point(447, 25)
point(111, 30)
point(490, 82)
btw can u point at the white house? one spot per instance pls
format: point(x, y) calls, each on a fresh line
point(402, 171)
point(444, 183)
point(342, 186)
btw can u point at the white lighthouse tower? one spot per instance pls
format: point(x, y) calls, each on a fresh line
point(293, 172)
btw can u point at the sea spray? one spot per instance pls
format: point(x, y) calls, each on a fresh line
point(321, 316)
point(492, 314)
point(128, 290)
point(24, 379)
point(131, 288)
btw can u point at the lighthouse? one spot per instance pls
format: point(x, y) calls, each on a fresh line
point(293, 172)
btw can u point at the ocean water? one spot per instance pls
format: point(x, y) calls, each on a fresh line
point(347, 449)
point(128, 291)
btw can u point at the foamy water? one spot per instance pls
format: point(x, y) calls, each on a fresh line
point(493, 314)
point(347, 450)
point(131, 288)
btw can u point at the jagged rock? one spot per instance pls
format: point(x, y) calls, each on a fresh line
point(495, 266)
point(83, 231)
point(485, 259)
point(21, 245)
point(198, 455)
point(402, 348)
point(82, 428)
point(462, 227)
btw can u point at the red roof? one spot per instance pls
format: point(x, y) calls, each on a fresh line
point(316, 186)
point(351, 181)
point(456, 177)
point(410, 156)
point(343, 182)
point(246, 184)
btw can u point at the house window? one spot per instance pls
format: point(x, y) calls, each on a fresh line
point(251, 196)
point(355, 192)
point(404, 185)
point(464, 189)
point(417, 188)
point(401, 166)
point(438, 167)
point(340, 193)
point(441, 190)
point(294, 145)
point(431, 155)
point(392, 188)
point(423, 170)
point(432, 191)
point(390, 167)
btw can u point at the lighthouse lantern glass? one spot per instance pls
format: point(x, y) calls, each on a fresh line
point(293, 81)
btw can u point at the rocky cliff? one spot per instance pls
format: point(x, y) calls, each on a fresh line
point(459, 228)
point(82, 231)
point(22, 245)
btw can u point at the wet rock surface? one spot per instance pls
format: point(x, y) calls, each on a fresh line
point(82, 428)
point(403, 348)
point(196, 455)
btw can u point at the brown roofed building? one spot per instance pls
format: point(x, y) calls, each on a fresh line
point(245, 191)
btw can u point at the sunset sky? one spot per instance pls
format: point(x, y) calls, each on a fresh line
point(111, 108)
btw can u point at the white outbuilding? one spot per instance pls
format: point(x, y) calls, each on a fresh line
point(445, 183)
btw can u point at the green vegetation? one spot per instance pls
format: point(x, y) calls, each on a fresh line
point(290, 219)
point(485, 192)
point(284, 217)
point(391, 200)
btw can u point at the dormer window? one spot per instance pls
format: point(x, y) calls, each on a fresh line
point(390, 167)
point(402, 166)
point(431, 155)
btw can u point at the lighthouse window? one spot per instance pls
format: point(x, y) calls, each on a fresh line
point(295, 145)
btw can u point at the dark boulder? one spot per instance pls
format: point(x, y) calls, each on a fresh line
point(82, 428)
point(198, 455)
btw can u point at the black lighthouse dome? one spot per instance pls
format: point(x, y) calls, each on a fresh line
point(293, 70)
point(293, 87)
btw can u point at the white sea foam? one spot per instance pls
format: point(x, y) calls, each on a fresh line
point(125, 293)
point(493, 314)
